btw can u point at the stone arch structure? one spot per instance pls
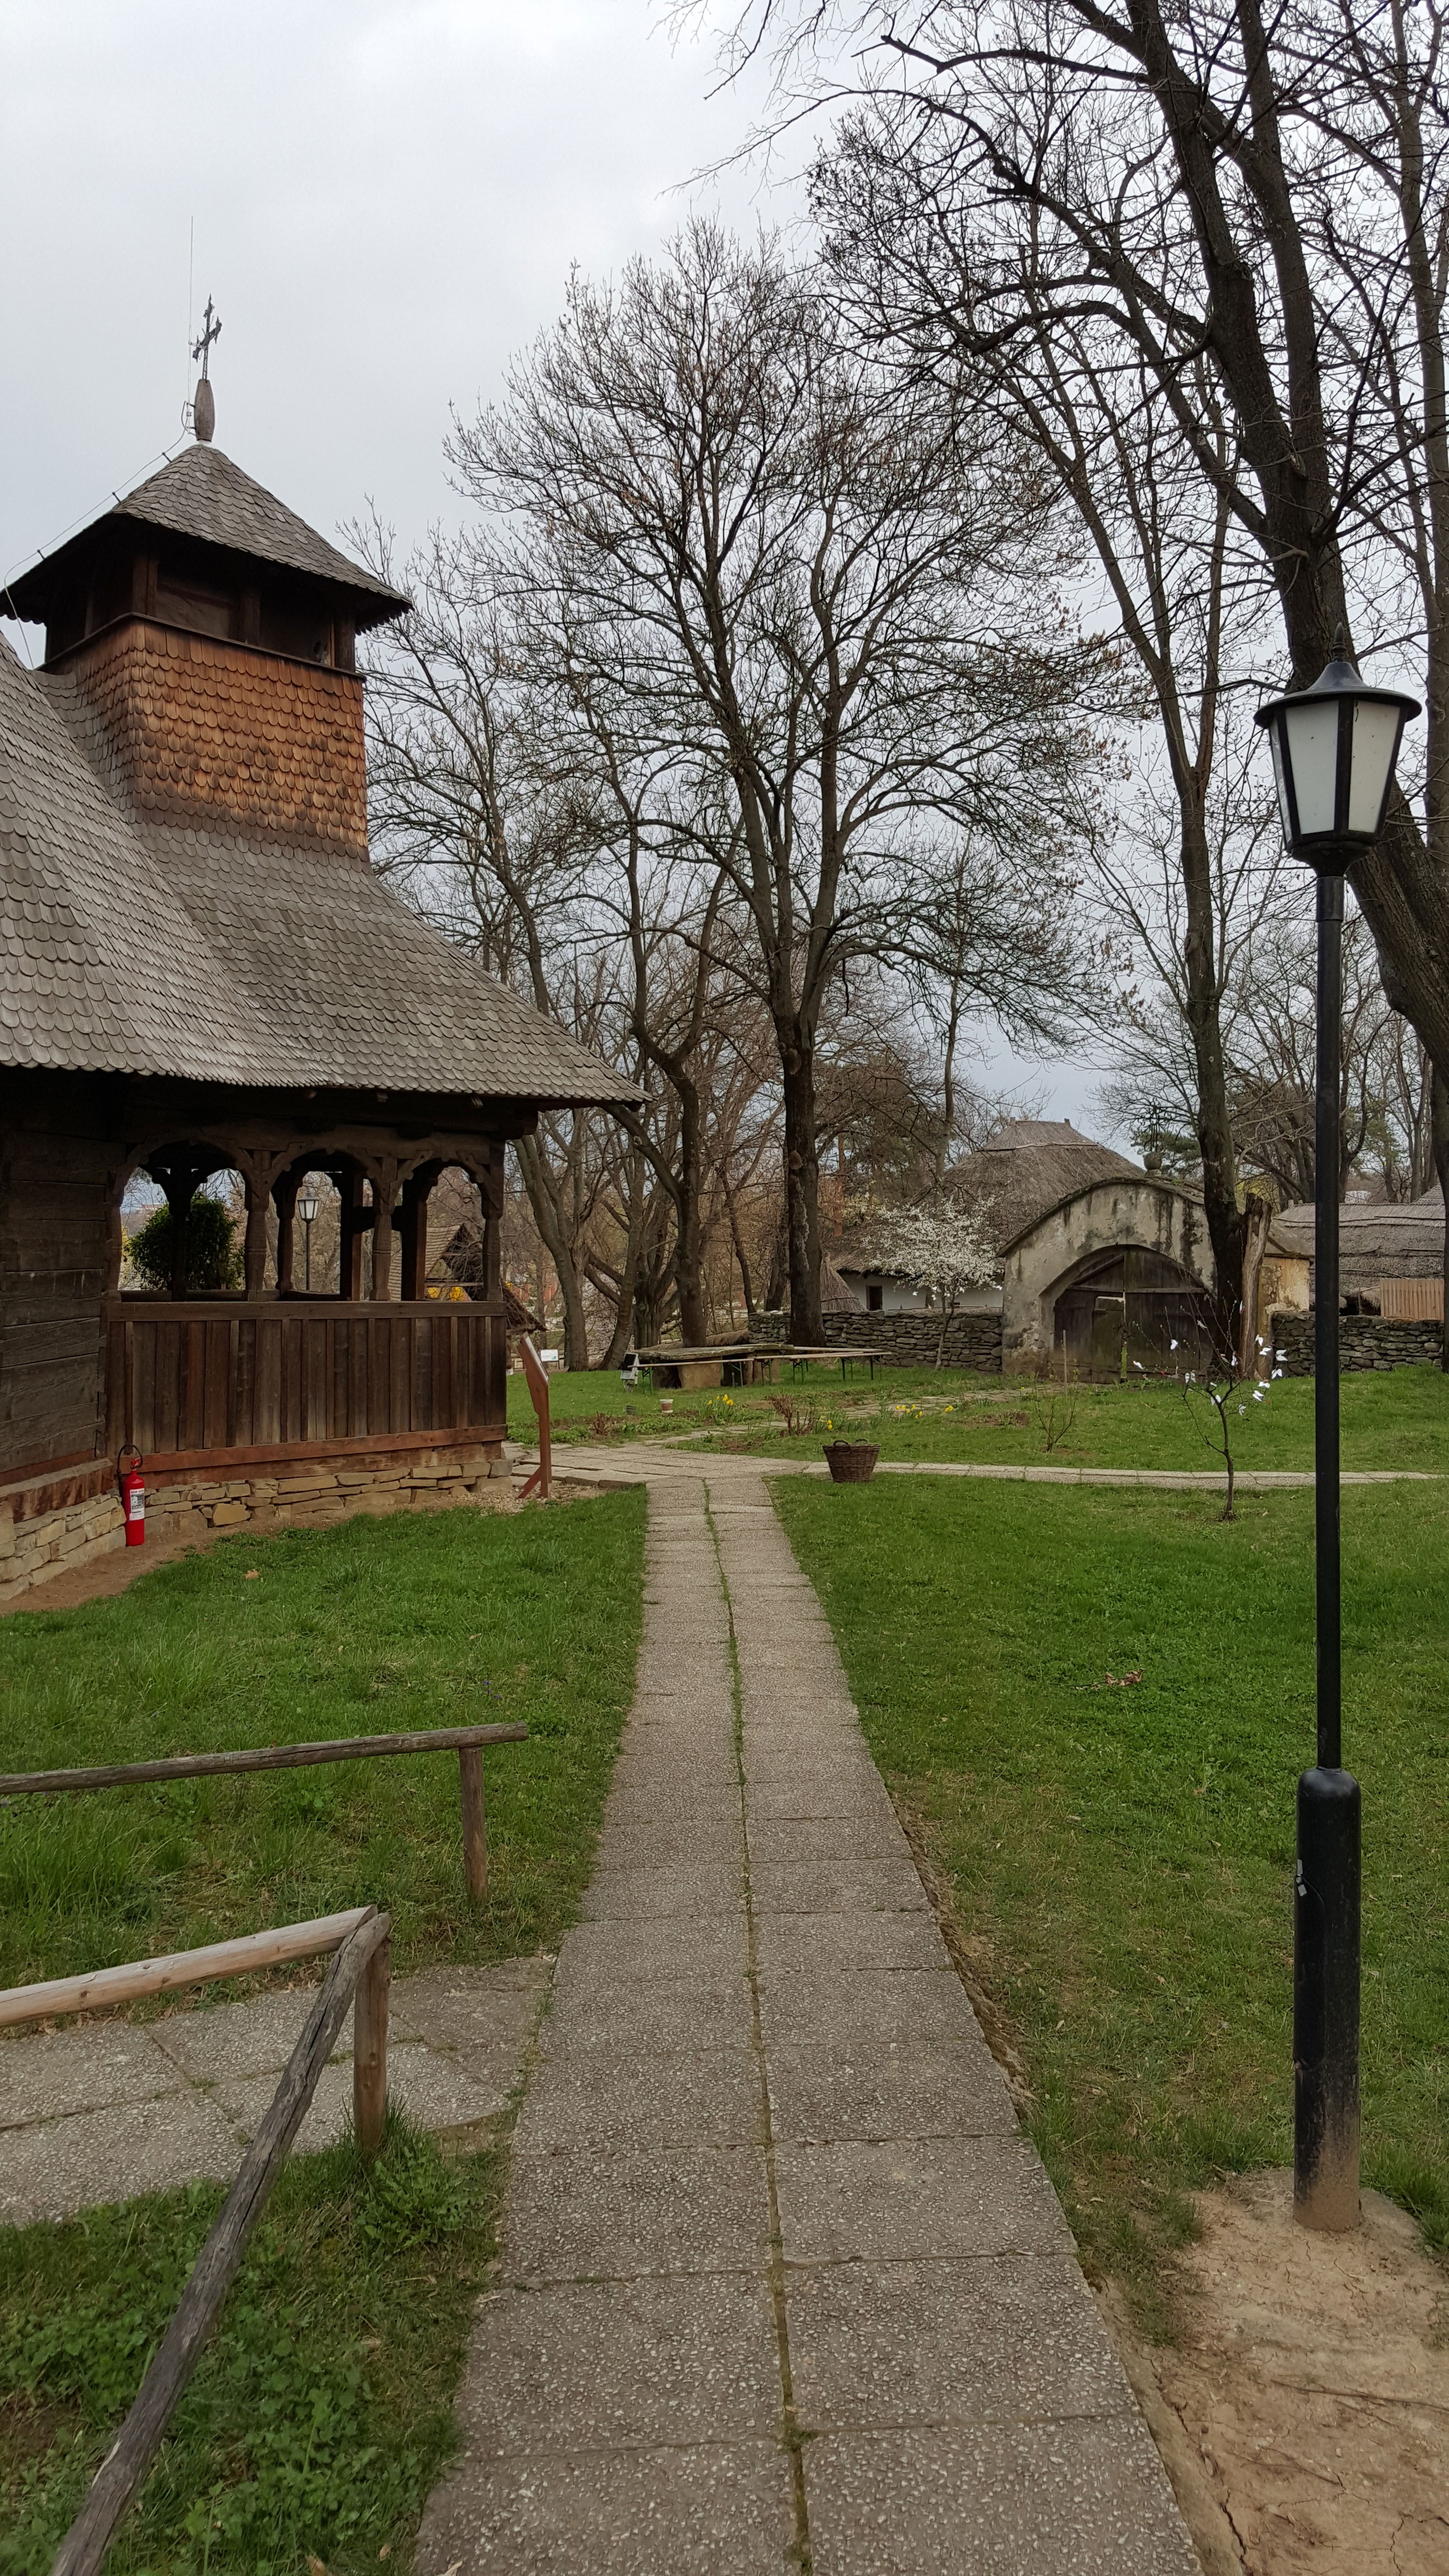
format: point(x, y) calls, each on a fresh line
point(1133, 1241)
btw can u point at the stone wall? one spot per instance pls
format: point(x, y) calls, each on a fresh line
point(45, 1532)
point(1364, 1341)
point(35, 1545)
point(973, 1340)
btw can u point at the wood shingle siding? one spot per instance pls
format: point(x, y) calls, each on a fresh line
point(216, 734)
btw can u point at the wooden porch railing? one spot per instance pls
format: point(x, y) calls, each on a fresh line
point(210, 1374)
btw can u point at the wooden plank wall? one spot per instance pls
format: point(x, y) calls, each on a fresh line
point(57, 1186)
point(224, 1376)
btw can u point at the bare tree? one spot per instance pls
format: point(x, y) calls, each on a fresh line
point(793, 574)
point(1262, 200)
point(492, 845)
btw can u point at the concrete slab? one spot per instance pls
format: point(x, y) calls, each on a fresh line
point(675, 2510)
point(908, 2199)
point(852, 2092)
point(174, 2100)
point(643, 1894)
point(838, 1789)
point(660, 1841)
point(1080, 2497)
point(228, 2043)
point(625, 2410)
point(44, 2076)
point(654, 2019)
point(574, 2215)
point(861, 2006)
point(439, 2092)
point(871, 1836)
point(61, 2166)
point(825, 1944)
point(1011, 2339)
point(674, 1800)
point(836, 1887)
point(466, 2009)
point(706, 2096)
point(618, 1950)
point(603, 2363)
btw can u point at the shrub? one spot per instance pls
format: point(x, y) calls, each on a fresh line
point(213, 1255)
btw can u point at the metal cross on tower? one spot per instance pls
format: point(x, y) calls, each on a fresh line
point(211, 333)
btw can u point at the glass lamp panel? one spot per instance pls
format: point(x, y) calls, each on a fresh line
point(1375, 733)
point(1312, 732)
point(1281, 782)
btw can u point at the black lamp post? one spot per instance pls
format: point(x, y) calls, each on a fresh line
point(1334, 749)
point(307, 1210)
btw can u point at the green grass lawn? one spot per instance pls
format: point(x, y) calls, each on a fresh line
point(371, 1627)
point(321, 2410)
point(1096, 1704)
point(1393, 1419)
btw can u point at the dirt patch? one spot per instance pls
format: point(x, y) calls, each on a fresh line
point(1303, 2414)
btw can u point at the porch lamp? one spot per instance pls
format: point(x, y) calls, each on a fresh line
point(306, 1210)
point(1334, 748)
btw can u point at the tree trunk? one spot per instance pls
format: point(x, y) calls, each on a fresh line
point(1225, 1222)
point(1257, 1221)
point(737, 1240)
point(1441, 1166)
point(547, 1216)
point(802, 1185)
point(688, 1232)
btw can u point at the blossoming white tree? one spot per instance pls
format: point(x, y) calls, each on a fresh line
point(942, 1249)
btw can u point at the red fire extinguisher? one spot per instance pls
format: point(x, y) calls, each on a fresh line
point(133, 1496)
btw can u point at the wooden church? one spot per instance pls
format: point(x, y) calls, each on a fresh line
point(200, 973)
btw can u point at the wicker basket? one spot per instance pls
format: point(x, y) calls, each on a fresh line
point(851, 1462)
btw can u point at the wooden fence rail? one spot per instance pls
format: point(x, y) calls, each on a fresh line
point(360, 1969)
point(466, 1741)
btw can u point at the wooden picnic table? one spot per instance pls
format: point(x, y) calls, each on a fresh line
point(801, 1359)
point(689, 1364)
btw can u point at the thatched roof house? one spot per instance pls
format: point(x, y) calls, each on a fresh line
point(1391, 1255)
point(1029, 1166)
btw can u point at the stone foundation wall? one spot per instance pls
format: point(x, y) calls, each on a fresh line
point(973, 1340)
point(63, 1532)
point(1364, 1341)
point(36, 1545)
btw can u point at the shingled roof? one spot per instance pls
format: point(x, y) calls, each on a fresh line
point(128, 948)
point(201, 494)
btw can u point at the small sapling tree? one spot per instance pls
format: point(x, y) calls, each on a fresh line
point(1220, 1398)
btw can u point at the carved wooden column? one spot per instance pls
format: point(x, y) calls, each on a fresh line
point(413, 1228)
point(355, 1220)
point(384, 1191)
point(490, 1192)
point(284, 1199)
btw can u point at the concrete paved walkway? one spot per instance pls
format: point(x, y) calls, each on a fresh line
point(631, 1465)
point(781, 2284)
point(108, 2108)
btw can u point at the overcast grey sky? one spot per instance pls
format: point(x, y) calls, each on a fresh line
point(387, 197)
